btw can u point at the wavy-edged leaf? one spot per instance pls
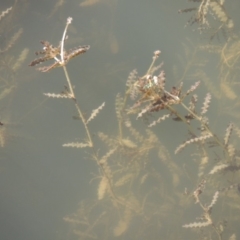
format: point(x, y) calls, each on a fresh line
point(95, 112)
point(76, 145)
point(5, 12)
point(228, 134)
point(118, 106)
point(218, 168)
point(193, 140)
point(164, 117)
point(206, 103)
point(197, 224)
point(57, 95)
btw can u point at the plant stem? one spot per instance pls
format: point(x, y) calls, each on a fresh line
point(206, 128)
point(90, 142)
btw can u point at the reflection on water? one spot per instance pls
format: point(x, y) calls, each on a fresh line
point(137, 138)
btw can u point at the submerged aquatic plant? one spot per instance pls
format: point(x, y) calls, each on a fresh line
point(61, 57)
point(207, 12)
point(131, 188)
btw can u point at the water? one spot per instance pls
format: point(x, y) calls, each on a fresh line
point(51, 192)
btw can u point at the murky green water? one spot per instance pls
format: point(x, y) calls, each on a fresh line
point(129, 184)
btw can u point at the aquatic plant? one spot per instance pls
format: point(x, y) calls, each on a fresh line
point(206, 13)
point(11, 64)
point(131, 189)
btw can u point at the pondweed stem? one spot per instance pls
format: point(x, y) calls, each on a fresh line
point(206, 128)
point(90, 142)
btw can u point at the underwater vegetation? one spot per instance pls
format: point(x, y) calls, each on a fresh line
point(210, 14)
point(139, 177)
point(131, 191)
point(10, 64)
